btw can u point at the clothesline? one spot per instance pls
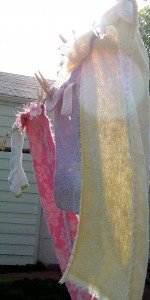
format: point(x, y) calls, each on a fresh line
point(40, 100)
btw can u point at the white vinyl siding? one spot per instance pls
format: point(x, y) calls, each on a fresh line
point(21, 219)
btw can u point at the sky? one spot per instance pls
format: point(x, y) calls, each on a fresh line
point(29, 31)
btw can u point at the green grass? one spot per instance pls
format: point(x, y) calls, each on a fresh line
point(33, 290)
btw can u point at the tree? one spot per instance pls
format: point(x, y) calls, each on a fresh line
point(144, 27)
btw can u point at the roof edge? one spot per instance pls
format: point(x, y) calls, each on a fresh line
point(15, 99)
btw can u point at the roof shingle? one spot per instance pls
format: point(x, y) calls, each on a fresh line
point(20, 86)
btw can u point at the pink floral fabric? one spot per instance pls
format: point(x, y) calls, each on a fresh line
point(62, 225)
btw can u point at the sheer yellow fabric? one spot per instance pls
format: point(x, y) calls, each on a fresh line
point(111, 249)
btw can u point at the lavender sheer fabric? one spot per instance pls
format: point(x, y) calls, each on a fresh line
point(68, 148)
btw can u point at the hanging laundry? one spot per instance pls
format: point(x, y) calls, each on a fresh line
point(62, 225)
point(68, 177)
point(110, 254)
point(17, 178)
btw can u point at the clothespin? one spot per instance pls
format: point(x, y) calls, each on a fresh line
point(40, 98)
point(74, 34)
point(63, 39)
point(39, 101)
point(4, 141)
point(43, 83)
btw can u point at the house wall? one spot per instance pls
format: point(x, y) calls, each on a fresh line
point(22, 225)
